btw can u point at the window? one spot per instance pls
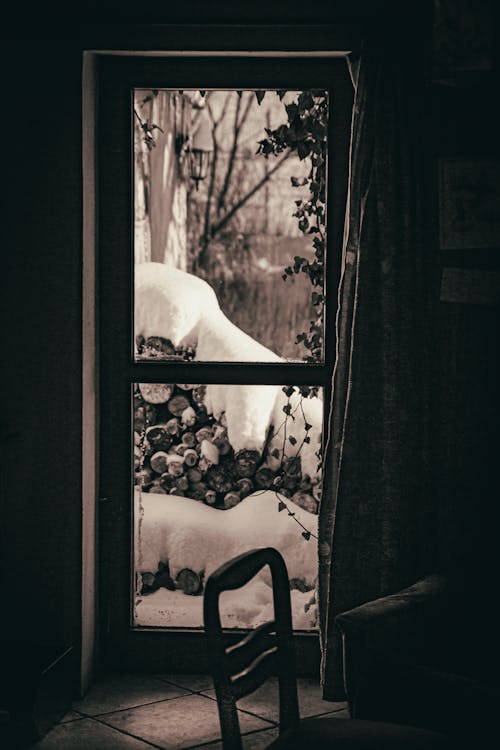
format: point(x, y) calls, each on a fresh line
point(217, 336)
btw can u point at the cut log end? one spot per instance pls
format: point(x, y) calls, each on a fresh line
point(189, 581)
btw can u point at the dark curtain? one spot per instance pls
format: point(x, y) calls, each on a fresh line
point(377, 516)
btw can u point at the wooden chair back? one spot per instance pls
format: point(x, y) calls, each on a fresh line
point(241, 668)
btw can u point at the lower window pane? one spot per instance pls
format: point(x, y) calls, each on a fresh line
point(218, 470)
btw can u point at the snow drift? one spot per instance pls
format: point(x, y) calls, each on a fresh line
point(189, 534)
point(184, 308)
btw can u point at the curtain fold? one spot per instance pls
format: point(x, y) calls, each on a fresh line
point(376, 518)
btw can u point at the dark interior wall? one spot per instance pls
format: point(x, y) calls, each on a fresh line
point(41, 322)
point(466, 126)
point(41, 288)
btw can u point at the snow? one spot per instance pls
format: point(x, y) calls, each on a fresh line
point(190, 534)
point(244, 608)
point(170, 303)
point(248, 410)
point(193, 535)
point(183, 308)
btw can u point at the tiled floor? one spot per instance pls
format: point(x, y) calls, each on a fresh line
point(172, 712)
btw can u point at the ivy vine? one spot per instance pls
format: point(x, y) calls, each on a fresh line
point(305, 133)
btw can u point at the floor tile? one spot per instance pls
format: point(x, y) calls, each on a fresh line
point(119, 691)
point(264, 701)
point(194, 682)
point(179, 723)
point(88, 735)
point(70, 716)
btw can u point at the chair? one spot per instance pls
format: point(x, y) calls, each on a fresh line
point(240, 669)
point(420, 658)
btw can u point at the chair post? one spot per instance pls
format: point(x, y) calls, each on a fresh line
point(226, 704)
point(287, 677)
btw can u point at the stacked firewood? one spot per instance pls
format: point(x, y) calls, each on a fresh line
point(190, 582)
point(182, 450)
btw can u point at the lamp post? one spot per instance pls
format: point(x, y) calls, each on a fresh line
point(200, 149)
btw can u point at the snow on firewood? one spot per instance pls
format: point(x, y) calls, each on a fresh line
point(170, 303)
point(187, 534)
point(184, 309)
point(219, 340)
point(247, 409)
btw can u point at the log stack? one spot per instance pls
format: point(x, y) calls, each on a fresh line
point(180, 449)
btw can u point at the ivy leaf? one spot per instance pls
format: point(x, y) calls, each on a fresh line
point(281, 93)
point(292, 440)
point(307, 439)
point(202, 94)
point(303, 149)
point(306, 535)
point(275, 453)
point(281, 506)
point(305, 100)
point(307, 426)
point(260, 95)
point(287, 409)
point(288, 390)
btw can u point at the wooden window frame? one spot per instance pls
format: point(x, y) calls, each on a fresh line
point(179, 648)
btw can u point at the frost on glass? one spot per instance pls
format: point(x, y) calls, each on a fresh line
point(218, 470)
point(230, 224)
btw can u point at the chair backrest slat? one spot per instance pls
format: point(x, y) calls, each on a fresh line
point(241, 668)
point(254, 675)
point(242, 654)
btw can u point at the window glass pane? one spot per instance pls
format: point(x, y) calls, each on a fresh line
point(230, 224)
point(218, 470)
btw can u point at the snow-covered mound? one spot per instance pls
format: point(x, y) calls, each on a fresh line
point(183, 308)
point(189, 534)
point(171, 303)
point(247, 607)
point(247, 410)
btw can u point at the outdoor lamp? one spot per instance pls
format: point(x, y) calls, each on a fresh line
point(199, 149)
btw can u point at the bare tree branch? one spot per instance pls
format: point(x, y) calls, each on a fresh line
point(238, 124)
point(215, 228)
point(205, 237)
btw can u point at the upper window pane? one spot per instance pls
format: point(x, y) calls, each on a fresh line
point(230, 224)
